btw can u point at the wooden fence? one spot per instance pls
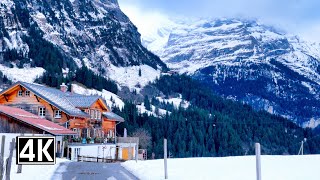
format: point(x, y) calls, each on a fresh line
point(95, 159)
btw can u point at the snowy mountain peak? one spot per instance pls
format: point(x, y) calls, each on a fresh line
point(247, 61)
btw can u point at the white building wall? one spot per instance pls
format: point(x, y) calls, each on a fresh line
point(100, 150)
point(94, 150)
point(127, 145)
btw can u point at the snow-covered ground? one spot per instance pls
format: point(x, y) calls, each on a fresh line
point(229, 168)
point(107, 95)
point(129, 76)
point(162, 112)
point(26, 74)
point(175, 101)
point(153, 111)
point(37, 172)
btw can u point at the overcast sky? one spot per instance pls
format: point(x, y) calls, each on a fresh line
point(300, 17)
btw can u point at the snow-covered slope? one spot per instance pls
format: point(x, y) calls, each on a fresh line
point(229, 168)
point(112, 99)
point(245, 60)
point(153, 111)
point(27, 74)
point(95, 33)
point(177, 102)
point(130, 76)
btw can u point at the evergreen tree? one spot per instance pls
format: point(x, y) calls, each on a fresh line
point(213, 126)
point(147, 103)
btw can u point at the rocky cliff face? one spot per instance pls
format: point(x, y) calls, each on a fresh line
point(246, 61)
point(91, 32)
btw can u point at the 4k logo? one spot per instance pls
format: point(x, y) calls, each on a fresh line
point(36, 150)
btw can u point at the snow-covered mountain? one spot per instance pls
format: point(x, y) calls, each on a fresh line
point(247, 61)
point(95, 33)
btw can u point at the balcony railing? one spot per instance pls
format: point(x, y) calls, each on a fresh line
point(97, 140)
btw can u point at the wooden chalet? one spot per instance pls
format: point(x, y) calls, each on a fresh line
point(17, 121)
point(87, 116)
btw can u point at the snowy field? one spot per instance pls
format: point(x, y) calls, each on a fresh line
point(229, 168)
point(26, 74)
point(37, 172)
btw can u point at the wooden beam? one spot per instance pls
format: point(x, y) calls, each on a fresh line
point(52, 108)
point(37, 98)
point(6, 97)
point(21, 87)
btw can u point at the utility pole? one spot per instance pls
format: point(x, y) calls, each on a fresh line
point(258, 160)
point(301, 148)
point(165, 158)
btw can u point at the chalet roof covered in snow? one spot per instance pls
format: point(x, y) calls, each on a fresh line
point(79, 100)
point(55, 97)
point(35, 121)
point(83, 101)
point(113, 116)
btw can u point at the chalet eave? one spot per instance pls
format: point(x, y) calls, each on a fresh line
point(5, 93)
point(37, 127)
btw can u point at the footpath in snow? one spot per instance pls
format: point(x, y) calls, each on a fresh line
point(229, 168)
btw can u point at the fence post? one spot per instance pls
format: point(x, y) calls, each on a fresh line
point(9, 159)
point(136, 152)
point(63, 146)
point(165, 158)
point(19, 170)
point(68, 153)
point(258, 160)
point(2, 156)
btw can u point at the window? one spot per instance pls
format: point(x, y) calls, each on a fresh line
point(96, 114)
point(57, 114)
point(20, 93)
point(67, 124)
point(27, 93)
point(77, 131)
point(88, 132)
point(42, 112)
point(92, 113)
point(99, 115)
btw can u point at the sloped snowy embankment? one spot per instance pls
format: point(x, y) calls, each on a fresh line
point(38, 172)
point(229, 168)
